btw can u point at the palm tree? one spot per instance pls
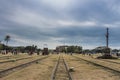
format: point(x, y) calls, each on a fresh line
point(7, 39)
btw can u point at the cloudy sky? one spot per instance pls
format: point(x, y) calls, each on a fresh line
point(59, 22)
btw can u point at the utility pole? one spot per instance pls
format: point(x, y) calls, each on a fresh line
point(107, 38)
point(106, 51)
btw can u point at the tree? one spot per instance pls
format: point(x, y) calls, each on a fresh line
point(7, 38)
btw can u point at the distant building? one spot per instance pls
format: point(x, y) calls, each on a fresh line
point(69, 49)
point(100, 49)
point(61, 48)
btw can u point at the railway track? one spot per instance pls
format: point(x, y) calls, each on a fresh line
point(61, 70)
point(4, 57)
point(14, 60)
point(111, 61)
point(16, 68)
point(99, 65)
point(10, 57)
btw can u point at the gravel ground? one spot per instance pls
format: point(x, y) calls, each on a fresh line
point(15, 63)
point(102, 62)
point(82, 70)
point(39, 71)
point(86, 71)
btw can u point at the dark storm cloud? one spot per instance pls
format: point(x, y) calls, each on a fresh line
point(58, 22)
point(95, 10)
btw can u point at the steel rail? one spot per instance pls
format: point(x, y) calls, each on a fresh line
point(15, 60)
point(110, 61)
point(53, 76)
point(67, 69)
point(55, 69)
point(19, 67)
point(99, 65)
